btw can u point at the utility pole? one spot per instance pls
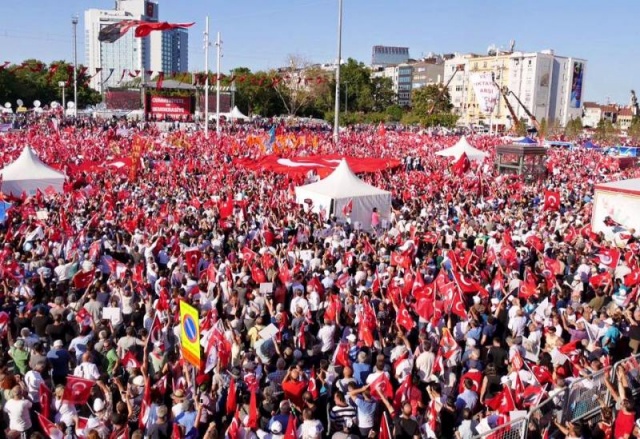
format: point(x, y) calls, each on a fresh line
point(336, 116)
point(206, 82)
point(218, 46)
point(74, 21)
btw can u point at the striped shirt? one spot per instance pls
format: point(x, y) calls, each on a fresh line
point(342, 417)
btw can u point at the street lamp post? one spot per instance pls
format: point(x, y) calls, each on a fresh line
point(74, 21)
point(346, 96)
point(336, 118)
point(62, 85)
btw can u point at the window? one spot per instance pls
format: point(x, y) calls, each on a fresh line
point(458, 88)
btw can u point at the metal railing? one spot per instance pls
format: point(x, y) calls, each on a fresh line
point(574, 403)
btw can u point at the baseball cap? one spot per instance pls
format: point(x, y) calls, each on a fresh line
point(98, 405)
point(58, 344)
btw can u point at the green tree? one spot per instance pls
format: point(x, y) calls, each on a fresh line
point(544, 128)
point(255, 93)
point(429, 97)
point(573, 127)
point(383, 94)
point(394, 113)
point(606, 133)
point(634, 129)
point(34, 80)
point(522, 128)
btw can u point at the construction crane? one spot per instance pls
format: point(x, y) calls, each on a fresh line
point(516, 122)
point(459, 68)
point(506, 92)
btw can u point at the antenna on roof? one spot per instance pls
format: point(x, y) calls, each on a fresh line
point(512, 45)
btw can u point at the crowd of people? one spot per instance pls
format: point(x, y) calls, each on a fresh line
point(475, 300)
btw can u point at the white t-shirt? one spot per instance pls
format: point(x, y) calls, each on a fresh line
point(310, 429)
point(19, 416)
point(33, 379)
point(87, 371)
point(65, 412)
point(326, 334)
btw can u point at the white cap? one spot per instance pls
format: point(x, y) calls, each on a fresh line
point(98, 405)
point(276, 427)
point(352, 338)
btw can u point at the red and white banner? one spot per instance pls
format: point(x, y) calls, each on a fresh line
point(170, 105)
point(486, 90)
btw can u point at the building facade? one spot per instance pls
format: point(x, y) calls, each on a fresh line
point(384, 56)
point(173, 56)
point(534, 83)
point(426, 73)
point(130, 57)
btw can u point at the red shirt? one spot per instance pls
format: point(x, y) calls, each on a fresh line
point(294, 390)
point(624, 424)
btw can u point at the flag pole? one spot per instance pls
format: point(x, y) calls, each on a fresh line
point(218, 45)
point(206, 82)
point(336, 116)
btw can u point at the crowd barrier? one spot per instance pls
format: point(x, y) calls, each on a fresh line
point(578, 402)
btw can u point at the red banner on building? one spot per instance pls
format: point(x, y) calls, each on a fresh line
point(170, 106)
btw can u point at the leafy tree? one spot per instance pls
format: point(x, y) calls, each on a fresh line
point(34, 80)
point(255, 93)
point(445, 120)
point(383, 94)
point(574, 127)
point(606, 132)
point(544, 128)
point(425, 98)
point(634, 129)
point(394, 113)
point(522, 127)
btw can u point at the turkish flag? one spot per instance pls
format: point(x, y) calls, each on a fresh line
point(248, 255)
point(257, 274)
point(404, 318)
point(230, 406)
point(381, 385)
point(347, 208)
point(145, 28)
point(466, 285)
point(192, 259)
point(385, 431)
point(609, 257)
point(400, 260)
point(253, 411)
point(551, 200)
point(341, 357)
point(553, 265)
point(458, 307)
point(292, 428)
point(571, 235)
point(632, 279)
point(83, 279)
point(312, 387)
point(129, 361)
point(45, 400)
point(462, 165)
point(77, 390)
point(49, 427)
point(226, 209)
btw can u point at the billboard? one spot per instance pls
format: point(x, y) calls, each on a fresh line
point(486, 90)
point(576, 85)
point(169, 106)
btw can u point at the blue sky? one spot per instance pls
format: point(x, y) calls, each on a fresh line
point(261, 33)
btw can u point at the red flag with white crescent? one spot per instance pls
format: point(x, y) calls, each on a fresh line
point(77, 390)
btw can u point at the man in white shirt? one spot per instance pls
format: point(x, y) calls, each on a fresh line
point(310, 428)
point(299, 301)
point(87, 369)
point(326, 335)
point(33, 379)
point(17, 408)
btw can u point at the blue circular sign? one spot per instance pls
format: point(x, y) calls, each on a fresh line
point(189, 328)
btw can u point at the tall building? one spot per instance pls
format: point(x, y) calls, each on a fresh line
point(427, 72)
point(174, 54)
point(540, 80)
point(130, 56)
point(384, 56)
point(401, 78)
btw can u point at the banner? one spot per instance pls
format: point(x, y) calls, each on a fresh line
point(170, 106)
point(486, 90)
point(576, 85)
point(190, 334)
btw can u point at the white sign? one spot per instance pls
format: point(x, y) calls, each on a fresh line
point(268, 332)
point(486, 90)
point(266, 288)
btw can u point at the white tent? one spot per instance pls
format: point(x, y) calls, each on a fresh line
point(342, 187)
point(474, 154)
point(28, 174)
point(237, 114)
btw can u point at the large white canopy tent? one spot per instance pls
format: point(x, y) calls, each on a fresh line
point(28, 173)
point(342, 187)
point(463, 146)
